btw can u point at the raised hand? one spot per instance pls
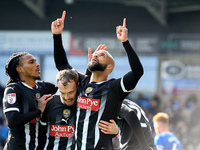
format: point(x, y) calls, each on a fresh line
point(100, 47)
point(108, 127)
point(43, 101)
point(122, 32)
point(58, 25)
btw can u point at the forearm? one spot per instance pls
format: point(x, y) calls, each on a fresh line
point(60, 56)
point(15, 119)
point(136, 67)
point(133, 59)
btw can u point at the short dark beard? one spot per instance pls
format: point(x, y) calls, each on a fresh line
point(96, 67)
point(37, 78)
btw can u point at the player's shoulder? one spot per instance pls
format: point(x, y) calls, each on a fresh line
point(13, 87)
point(12, 84)
point(114, 83)
point(131, 104)
point(165, 135)
point(56, 96)
point(44, 84)
point(41, 83)
point(157, 137)
point(53, 102)
point(55, 99)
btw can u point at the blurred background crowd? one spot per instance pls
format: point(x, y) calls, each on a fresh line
point(183, 115)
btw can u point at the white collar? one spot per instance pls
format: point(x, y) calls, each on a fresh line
point(61, 100)
point(28, 85)
point(98, 82)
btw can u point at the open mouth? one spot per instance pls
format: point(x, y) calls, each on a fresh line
point(68, 101)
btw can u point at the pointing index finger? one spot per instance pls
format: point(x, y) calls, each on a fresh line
point(63, 15)
point(124, 23)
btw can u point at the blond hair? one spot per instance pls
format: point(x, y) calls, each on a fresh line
point(161, 117)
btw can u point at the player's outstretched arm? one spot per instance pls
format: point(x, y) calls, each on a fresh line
point(136, 67)
point(60, 56)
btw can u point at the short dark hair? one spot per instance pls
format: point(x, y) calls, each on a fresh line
point(66, 75)
point(11, 65)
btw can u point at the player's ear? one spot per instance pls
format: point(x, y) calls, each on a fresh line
point(110, 67)
point(19, 69)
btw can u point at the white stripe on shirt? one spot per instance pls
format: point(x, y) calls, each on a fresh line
point(11, 109)
point(123, 87)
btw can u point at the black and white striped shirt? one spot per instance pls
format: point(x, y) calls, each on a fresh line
point(22, 115)
point(60, 120)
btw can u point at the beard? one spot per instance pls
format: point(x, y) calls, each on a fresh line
point(96, 66)
point(37, 78)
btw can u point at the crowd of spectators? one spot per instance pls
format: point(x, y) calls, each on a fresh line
point(184, 117)
point(183, 113)
point(184, 120)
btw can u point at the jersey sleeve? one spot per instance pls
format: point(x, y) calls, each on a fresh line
point(43, 131)
point(11, 100)
point(158, 142)
point(60, 56)
point(44, 119)
point(11, 109)
point(129, 80)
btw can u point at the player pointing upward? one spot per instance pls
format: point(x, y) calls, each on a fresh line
point(106, 96)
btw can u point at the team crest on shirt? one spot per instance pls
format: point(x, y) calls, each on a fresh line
point(11, 98)
point(88, 90)
point(37, 95)
point(66, 113)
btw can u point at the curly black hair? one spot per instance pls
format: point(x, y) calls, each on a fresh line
point(11, 65)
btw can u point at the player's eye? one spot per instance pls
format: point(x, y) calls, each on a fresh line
point(32, 61)
point(102, 54)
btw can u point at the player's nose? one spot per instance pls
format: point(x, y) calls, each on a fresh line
point(66, 96)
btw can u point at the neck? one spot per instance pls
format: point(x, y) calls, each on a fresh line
point(99, 76)
point(30, 82)
point(164, 129)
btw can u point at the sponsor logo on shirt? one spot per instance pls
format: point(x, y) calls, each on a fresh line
point(35, 119)
point(88, 103)
point(11, 98)
point(62, 130)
